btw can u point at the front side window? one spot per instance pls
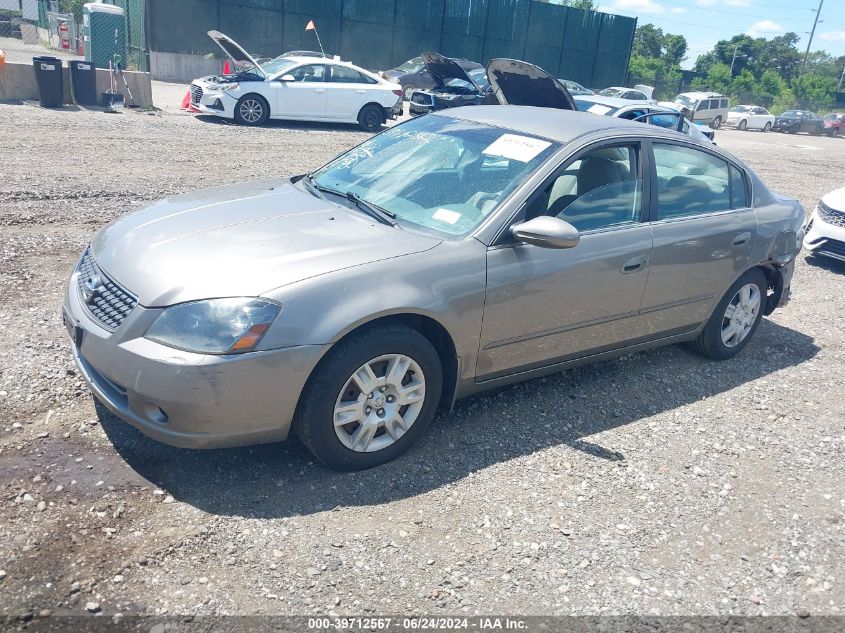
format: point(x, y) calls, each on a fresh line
point(599, 189)
point(438, 174)
point(310, 73)
point(690, 182)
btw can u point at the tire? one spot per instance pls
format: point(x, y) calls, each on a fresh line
point(712, 340)
point(370, 118)
point(252, 110)
point(767, 127)
point(332, 393)
point(835, 132)
point(743, 125)
point(716, 123)
point(407, 91)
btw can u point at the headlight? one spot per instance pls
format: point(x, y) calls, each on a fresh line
point(233, 86)
point(215, 326)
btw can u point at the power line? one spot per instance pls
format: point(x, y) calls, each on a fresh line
point(722, 11)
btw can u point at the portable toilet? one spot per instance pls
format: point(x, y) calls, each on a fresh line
point(103, 34)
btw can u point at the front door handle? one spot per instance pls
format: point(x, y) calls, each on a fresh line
point(360, 92)
point(635, 264)
point(741, 239)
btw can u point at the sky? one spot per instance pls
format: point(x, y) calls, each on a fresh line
point(704, 22)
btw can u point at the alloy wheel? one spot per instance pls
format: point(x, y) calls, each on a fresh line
point(740, 315)
point(251, 110)
point(379, 403)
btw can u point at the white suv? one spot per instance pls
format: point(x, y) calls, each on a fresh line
point(704, 107)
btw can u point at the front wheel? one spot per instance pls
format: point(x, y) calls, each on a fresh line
point(252, 110)
point(767, 127)
point(370, 118)
point(371, 398)
point(716, 123)
point(735, 319)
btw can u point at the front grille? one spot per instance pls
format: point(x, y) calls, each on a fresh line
point(832, 248)
point(423, 99)
point(831, 216)
point(196, 94)
point(105, 300)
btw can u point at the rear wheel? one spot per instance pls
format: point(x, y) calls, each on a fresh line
point(370, 118)
point(252, 110)
point(371, 398)
point(743, 125)
point(767, 127)
point(735, 319)
point(716, 123)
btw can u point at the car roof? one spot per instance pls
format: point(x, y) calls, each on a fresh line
point(700, 95)
point(552, 123)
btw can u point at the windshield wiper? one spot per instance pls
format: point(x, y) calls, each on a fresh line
point(312, 186)
point(373, 210)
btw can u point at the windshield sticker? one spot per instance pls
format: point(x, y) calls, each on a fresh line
point(515, 147)
point(597, 108)
point(447, 216)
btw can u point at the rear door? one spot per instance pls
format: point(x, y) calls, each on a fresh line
point(704, 230)
point(347, 91)
point(305, 96)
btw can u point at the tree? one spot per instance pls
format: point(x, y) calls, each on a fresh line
point(656, 58)
point(675, 47)
point(73, 6)
point(648, 41)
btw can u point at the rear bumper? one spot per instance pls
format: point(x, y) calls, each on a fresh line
point(185, 399)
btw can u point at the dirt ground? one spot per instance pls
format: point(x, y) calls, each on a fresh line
point(658, 483)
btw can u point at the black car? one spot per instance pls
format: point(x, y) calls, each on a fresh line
point(412, 75)
point(454, 87)
point(797, 121)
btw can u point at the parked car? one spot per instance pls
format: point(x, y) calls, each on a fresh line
point(834, 123)
point(648, 113)
point(454, 87)
point(704, 107)
point(825, 235)
point(797, 121)
point(575, 88)
point(422, 266)
point(749, 117)
point(631, 94)
point(412, 74)
point(297, 88)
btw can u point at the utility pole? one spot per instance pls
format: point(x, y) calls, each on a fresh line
point(736, 46)
point(810, 42)
point(841, 79)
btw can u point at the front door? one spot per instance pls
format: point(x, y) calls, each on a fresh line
point(703, 229)
point(305, 96)
point(544, 305)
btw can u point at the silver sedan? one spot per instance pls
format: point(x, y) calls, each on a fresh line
point(448, 255)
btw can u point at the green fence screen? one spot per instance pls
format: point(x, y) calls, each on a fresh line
point(589, 47)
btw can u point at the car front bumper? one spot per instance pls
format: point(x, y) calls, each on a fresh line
point(181, 398)
point(824, 238)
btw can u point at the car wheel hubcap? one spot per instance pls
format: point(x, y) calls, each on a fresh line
point(379, 403)
point(408, 92)
point(372, 119)
point(740, 315)
point(251, 111)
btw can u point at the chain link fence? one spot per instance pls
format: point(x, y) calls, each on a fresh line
point(585, 46)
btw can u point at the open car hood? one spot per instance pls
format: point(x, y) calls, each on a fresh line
point(442, 69)
point(238, 55)
point(520, 83)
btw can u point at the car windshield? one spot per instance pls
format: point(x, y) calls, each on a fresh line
point(437, 174)
point(833, 117)
point(741, 109)
point(585, 105)
point(277, 66)
point(611, 92)
point(479, 76)
point(685, 101)
point(411, 66)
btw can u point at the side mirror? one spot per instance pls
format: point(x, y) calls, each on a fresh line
point(287, 78)
point(547, 232)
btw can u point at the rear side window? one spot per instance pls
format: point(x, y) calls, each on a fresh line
point(341, 74)
point(690, 182)
point(739, 189)
point(723, 103)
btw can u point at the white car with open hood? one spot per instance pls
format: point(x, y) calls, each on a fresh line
point(297, 88)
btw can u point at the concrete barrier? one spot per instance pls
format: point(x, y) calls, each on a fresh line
point(17, 83)
point(181, 67)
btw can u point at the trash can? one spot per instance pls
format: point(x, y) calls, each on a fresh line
point(48, 76)
point(83, 79)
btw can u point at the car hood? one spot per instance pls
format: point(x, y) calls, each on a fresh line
point(442, 69)
point(241, 240)
point(835, 199)
point(520, 83)
point(236, 53)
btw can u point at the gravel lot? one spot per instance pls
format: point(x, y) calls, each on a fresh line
point(659, 483)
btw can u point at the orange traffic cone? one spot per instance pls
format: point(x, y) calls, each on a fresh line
point(186, 102)
point(226, 69)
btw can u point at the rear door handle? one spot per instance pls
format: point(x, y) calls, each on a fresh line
point(320, 91)
point(635, 264)
point(360, 92)
point(741, 239)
